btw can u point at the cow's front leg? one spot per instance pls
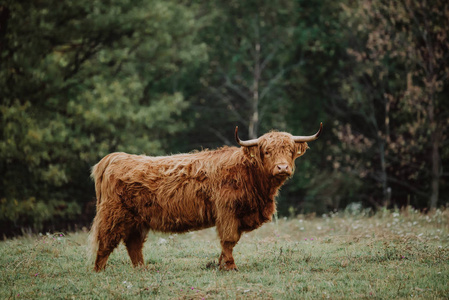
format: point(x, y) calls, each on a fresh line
point(226, 260)
point(229, 237)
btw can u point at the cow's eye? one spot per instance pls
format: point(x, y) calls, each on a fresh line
point(267, 153)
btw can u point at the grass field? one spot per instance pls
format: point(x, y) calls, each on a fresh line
point(398, 255)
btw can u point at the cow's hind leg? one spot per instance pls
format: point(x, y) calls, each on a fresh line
point(105, 248)
point(134, 244)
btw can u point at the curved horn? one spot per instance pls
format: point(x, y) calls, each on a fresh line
point(300, 139)
point(248, 143)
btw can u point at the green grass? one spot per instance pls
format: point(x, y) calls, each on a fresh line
point(389, 255)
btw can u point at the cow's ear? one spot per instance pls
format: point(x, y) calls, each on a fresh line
point(252, 152)
point(300, 149)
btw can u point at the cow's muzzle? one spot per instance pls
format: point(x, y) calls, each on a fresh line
point(282, 170)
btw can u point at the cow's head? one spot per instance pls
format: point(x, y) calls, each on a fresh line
point(277, 151)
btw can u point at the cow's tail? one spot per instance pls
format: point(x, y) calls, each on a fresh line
point(97, 175)
point(93, 241)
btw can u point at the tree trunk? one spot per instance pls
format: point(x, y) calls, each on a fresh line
point(254, 116)
point(435, 182)
point(386, 191)
point(435, 141)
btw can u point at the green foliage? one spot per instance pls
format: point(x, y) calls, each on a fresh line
point(78, 81)
point(33, 214)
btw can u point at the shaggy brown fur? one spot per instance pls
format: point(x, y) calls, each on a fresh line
point(231, 188)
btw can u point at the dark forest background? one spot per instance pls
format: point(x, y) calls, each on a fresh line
point(80, 79)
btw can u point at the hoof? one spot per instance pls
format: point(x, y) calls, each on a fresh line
point(98, 269)
point(142, 267)
point(228, 267)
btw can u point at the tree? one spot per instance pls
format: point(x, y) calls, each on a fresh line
point(395, 95)
point(268, 64)
point(249, 45)
point(319, 42)
point(79, 80)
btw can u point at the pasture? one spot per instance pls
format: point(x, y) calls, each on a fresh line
point(392, 254)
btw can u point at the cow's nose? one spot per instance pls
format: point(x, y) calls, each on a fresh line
point(283, 169)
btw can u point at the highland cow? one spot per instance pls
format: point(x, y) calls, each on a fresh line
point(231, 188)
